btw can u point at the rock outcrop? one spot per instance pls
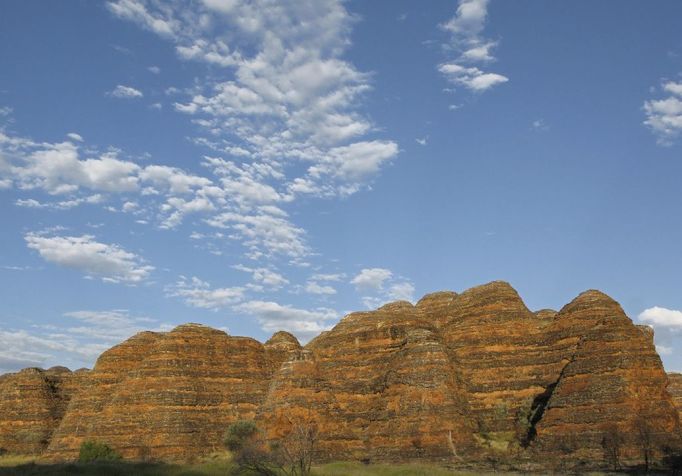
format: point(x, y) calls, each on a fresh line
point(167, 396)
point(460, 378)
point(32, 404)
point(381, 386)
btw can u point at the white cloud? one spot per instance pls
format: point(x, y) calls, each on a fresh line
point(471, 77)
point(154, 69)
point(264, 234)
point(403, 291)
point(274, 317)
point(58, 169)
point(660, 316)
point(422, 141)
point(136, 11)
point(673, 87)
point(371, 279)
point(75, 137)
point(76, 340)
point(664, 116)
point(382, 286)
point(292, 99)
point(469, 19)
point(198, 293)
point(314, 287)
point(62, 204)
point(328, 277)
point(109, 262)
point(264, 277)
point(466, 39)
point(125, 92)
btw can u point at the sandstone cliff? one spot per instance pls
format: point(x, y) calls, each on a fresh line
point(457, 377)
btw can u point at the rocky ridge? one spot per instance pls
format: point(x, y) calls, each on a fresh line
point(457, 377)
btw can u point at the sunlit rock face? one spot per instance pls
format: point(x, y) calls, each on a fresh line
point(167, 396)
point(381, 384)
point(457, 378)
point(612, 377)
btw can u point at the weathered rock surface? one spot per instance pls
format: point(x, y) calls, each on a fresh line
point(168, 396)
point(675, 389)
point(612, 376)
point(458, 377)
point(381, 386)
point(32, 403)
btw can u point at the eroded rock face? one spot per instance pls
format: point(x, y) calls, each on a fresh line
point(167, 396)
point(612, 376)
point(675, 389)
point(381, 386)
point(32, 403)
point(458, 377)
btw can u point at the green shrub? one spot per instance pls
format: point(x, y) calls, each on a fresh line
point(95, 451)
point(239, 434)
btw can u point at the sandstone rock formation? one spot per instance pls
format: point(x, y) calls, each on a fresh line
point(457, 377)
point(32, 403)
point(168, 395)
point(675, 389)
point(381, 386)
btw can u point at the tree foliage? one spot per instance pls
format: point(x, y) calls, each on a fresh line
point(91, 451)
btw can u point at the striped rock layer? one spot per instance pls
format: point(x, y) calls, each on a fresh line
point(456, 377)
point(675, 389)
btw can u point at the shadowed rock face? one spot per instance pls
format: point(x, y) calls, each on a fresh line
point(454, 378)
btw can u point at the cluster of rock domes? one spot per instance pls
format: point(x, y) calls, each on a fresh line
point(457, 377)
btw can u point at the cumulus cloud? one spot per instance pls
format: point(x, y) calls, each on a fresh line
point(371, 279)
point(660, 316)
point(274, 317)
point(664, 116)
point(471, 77)
point(198, 293)
point(125, 92)
point(109, 262)
point(380, 286)
point(292, 98)
point(470, 47)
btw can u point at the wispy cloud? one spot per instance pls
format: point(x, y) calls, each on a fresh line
point(198, 293)
point(470, 48)
point(273, 317)
point(78, 339)
point(664, 116)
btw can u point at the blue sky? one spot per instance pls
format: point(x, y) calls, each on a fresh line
point(257, 166)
